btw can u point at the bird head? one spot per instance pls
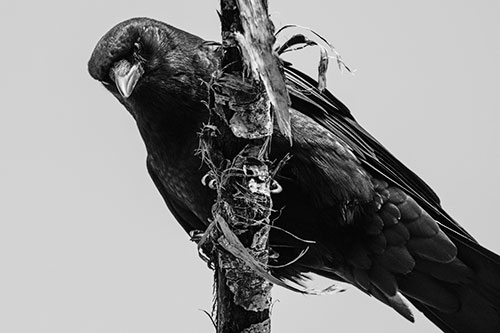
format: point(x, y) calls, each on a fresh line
point(151, 66)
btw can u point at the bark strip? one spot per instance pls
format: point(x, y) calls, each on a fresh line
point(236, 145)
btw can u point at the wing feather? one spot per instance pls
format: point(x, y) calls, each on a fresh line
point(414, 246)
point(329, 112)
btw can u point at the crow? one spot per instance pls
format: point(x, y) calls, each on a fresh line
point(375, 224)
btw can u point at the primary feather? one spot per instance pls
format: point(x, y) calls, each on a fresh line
point(375, 223)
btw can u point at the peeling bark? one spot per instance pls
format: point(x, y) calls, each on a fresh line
point(235, 146)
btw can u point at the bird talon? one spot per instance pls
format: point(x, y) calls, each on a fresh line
point(212, 182)
point(275, 187)
point(196, 235)
point(204, 179)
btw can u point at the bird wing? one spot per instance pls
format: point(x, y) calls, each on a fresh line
point(332, 114)
point(406, 243)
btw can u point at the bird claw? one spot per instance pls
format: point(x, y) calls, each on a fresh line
point(209, 180)
point(275, 187)
point(205, 248)
point(196, 235)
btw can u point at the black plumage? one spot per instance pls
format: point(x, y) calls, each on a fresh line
point(375, 223)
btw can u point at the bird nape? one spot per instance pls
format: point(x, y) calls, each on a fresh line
point(375, 224)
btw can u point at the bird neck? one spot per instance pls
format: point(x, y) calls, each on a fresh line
point(170, 136)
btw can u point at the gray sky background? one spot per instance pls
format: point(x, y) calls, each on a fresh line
point(86, 243)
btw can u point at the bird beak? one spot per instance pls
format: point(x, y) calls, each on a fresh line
point(126, 76)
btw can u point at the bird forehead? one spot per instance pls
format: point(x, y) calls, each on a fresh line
point(151, 36)
point(153, 32)
point(119, 41)
point(112, 46)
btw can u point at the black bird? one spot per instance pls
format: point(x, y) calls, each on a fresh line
point(375, 223)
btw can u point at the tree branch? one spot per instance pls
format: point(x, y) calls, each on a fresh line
point(235, 146)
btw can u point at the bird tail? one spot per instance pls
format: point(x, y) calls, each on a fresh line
point(474, 278)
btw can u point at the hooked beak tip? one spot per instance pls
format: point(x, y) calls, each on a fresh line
point(125, 75)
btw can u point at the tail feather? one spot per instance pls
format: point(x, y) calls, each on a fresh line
point(479, 297)
point(475, 315)
point(485, 264)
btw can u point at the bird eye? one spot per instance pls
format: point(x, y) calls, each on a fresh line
point(139, 52)
point(137, 47)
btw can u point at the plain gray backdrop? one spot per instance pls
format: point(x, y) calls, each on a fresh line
point(86, 242)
